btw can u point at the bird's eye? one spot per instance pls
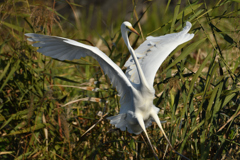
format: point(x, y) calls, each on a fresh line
point(127, 27)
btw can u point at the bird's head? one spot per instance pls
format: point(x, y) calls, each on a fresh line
point(127, 27)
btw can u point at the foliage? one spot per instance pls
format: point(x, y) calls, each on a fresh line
point(56, 110)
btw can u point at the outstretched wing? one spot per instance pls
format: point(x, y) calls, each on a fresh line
point(152, 52)
point(66, 49)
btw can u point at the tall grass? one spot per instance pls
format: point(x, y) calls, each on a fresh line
point(49, 111)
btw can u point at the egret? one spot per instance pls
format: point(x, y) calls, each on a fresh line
point(135, 87)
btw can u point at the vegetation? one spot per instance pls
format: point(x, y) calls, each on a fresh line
point(49, 111)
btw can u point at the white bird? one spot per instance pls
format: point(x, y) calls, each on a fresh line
point(135, 88)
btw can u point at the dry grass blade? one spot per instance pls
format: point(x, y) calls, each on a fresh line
point(94, 124)
point(83, 88)
point(229, 120)
point(90, 99)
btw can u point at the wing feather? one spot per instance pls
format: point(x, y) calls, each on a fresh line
point(66, 49)
point(152, 52)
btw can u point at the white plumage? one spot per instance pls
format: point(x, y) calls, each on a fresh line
point(152, 52)
point(136, 86)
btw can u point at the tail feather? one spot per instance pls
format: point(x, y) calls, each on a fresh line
point(119, 121)
point(122, 122)
point(126, 120)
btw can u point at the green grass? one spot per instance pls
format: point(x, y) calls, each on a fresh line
point(197, 86)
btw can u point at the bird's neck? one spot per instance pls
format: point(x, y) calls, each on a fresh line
point(143, 81)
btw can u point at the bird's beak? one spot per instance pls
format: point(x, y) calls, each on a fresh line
point(134, 31)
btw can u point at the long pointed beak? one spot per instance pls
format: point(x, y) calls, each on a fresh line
point(134, 31)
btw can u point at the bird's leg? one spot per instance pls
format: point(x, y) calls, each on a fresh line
point(156, 118)
point(141, 123)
